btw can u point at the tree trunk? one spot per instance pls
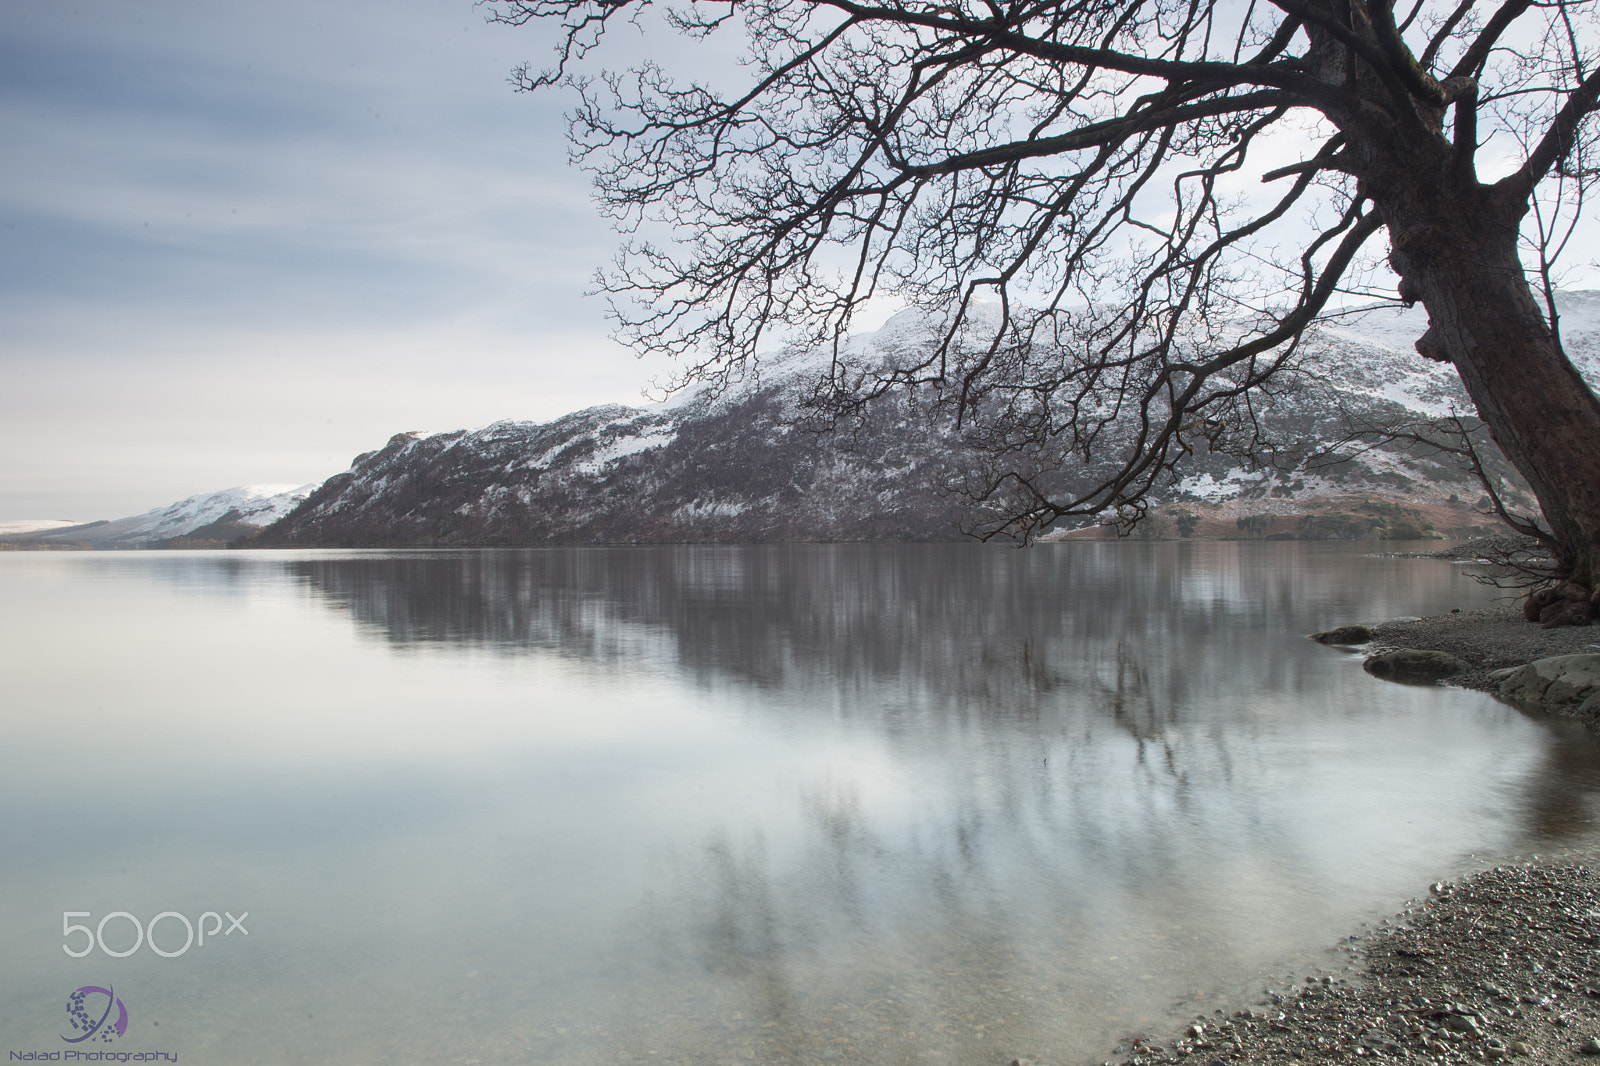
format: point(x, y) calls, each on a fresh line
point(1454, 244)
point(1463, 265)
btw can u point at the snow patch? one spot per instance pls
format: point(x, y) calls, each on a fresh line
point(625, 445)
point(1229, 485)
point(711, 509)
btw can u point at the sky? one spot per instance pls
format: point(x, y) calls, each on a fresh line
point(243, 242)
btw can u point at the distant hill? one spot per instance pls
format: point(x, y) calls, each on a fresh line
point(208, 519)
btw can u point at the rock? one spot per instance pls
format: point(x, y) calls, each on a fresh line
point(1590, 1046)
point(1567, 613)
point(1409, 664)
point(1536, 602)
point(1343, 635)
point(1560, 679)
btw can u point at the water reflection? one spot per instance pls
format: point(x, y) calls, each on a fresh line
point(954, 622)
point(808, 804)
point(1558, 798)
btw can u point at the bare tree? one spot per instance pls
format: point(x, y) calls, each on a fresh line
point(1075, 188)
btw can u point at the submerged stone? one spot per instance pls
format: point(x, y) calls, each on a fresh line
point(1410, 664)
point(1343, 635)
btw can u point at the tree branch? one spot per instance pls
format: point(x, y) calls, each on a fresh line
point(1556, 144)
point(1442, 34)
point(1399, 57)
point(1098, 134)
point(1274, 75)
point(1470, 65)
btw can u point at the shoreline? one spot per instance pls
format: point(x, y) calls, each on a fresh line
point(1501, 965)
point(1489, 639)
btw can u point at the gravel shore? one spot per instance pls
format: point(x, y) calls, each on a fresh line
point(1504, 965)
point(1486, 640)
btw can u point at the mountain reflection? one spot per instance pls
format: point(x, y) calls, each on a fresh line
point(993, 630)
point(1023, 659)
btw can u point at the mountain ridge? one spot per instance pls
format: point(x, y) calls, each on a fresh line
point(738, 463)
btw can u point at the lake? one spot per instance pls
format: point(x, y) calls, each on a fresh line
point(887, 804)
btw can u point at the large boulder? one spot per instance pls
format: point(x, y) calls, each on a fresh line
point(1561, 680)
point(1410, 664)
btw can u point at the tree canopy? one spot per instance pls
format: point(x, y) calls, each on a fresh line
point(1125, 212)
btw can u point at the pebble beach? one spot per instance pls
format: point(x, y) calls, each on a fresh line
point(1502, 966)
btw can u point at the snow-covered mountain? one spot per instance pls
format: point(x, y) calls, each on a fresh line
point(739, 465)
point(713, 469)
point(208, 516)
point(736, 466)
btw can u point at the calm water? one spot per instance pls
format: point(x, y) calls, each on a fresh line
point(856, 804)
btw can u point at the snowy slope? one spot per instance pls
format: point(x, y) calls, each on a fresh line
point(1376, 357)
point(252, 505)
point(33, 525)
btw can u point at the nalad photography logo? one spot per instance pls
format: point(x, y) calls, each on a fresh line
point(90, 1009)
point(96, 1016)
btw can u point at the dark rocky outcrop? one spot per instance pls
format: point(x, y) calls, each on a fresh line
point(1565, 603)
